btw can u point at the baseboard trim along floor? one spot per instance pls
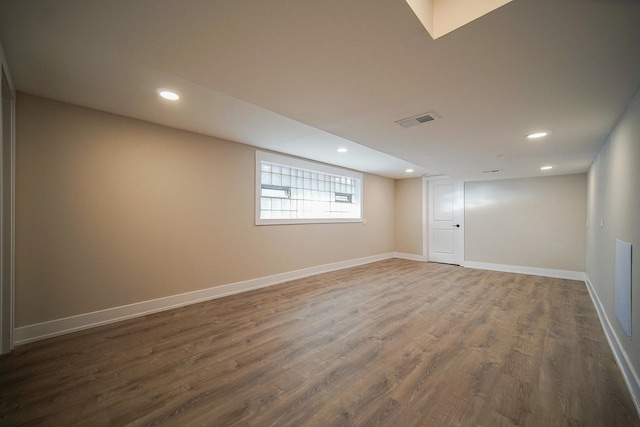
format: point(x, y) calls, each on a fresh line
point(39, 331)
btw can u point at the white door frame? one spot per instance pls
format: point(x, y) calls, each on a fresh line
point(7, 207)
point(425, 218)
point(459, 219)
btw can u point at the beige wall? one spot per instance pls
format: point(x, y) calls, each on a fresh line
point(535, 222)
point(408, 216)
point(112, 211)
point(614, 198)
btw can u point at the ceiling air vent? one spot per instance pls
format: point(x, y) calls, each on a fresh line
point(416, 120)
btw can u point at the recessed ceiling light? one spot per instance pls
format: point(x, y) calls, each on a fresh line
point(342, 150)
point(537, 135)
point(546, 168)
point(409, 170)
point(167, 94)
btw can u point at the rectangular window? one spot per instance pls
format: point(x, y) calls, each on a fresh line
point(294, 191)
point(275, 191)
point(343, 198)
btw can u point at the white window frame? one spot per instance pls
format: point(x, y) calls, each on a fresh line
point(262, 156)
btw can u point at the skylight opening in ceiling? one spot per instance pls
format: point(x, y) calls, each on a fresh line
point(440, 17)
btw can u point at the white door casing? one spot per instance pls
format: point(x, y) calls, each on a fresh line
point(446, 221)
point(7, 202)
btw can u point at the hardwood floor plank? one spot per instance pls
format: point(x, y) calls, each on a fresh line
point(385, 344)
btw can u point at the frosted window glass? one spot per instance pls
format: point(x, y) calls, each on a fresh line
point(287, 191)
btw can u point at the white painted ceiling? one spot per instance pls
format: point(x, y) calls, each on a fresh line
point(306, 77)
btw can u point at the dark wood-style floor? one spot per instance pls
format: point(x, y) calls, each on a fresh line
point(394, 343)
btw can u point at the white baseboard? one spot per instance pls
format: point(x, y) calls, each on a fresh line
point(628, 373)
point(534, 271)
point(39, 331)
point(410, 257)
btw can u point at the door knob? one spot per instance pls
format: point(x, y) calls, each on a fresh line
point(456, 225)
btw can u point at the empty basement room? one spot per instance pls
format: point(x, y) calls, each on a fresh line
point(285, 213)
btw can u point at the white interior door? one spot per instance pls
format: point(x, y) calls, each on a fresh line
point(446, 221)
